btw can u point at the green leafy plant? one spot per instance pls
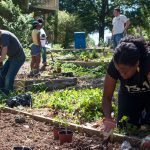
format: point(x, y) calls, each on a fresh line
point(76, 106)
point(127, 128)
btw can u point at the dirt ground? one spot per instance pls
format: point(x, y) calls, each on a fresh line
point(39, 136)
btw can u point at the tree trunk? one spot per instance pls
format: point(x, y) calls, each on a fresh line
point(56, 27)
point(102, 19)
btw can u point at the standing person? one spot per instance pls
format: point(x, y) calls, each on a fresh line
point(35, 49)
point(43, 42)
point(131, 66)
point(11, 47)
point(120, 25)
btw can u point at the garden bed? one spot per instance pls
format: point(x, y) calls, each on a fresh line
point(102, 49)
point(37, 134)
point(84, 63)
point(45, 84)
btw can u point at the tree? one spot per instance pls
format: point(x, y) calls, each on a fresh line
point(66, 26)
point(13, 20)
point(92, 13)
point(96, 15)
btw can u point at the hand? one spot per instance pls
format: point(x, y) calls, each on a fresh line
point(106, 125)
point(148, 76)
point(109, 124)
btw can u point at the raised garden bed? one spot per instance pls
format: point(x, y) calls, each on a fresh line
point(79, 50)
point(84, 63)
point(36, 132)
point(46, 84)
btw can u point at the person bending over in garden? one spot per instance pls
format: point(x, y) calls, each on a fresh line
point(43, 42)
point(131, 66)
point(11, 47)
point(35, 49)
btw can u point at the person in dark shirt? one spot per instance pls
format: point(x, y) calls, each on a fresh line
point(11, 47)
point(131, 66)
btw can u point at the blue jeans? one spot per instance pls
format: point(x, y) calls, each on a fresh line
point(8, 73)
point(116, 39)
point(44, 55)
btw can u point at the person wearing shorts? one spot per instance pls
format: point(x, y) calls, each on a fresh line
point(35, 49)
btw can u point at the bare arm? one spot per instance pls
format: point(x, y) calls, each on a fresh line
point(3, 54)
point(127, 24)
point(109, 87)
point(38, 37)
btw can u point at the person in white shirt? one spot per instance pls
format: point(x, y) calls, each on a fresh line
point(120, 25)
point(43, 42)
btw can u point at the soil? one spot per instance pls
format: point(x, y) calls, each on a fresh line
point(39, 136)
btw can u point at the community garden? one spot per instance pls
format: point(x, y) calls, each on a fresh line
point(65, 97)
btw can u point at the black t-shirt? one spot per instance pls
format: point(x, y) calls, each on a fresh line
point(15, 49)
point(138, 82)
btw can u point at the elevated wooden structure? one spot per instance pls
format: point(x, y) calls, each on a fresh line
point(49, 5)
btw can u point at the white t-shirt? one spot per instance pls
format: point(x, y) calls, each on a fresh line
point(42, 37)
point(118, 24)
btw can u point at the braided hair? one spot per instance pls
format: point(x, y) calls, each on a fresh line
point(130, 50)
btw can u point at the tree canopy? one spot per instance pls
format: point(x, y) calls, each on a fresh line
point(96, 15)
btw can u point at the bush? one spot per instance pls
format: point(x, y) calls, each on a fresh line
point(67, 25)
point(13, 20)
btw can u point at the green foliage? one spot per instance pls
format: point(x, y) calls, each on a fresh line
point(84, 104)
point(14, 21)
point(57, 46)
point(23, 4)
point(127, 128)
point(67, 25)
point(96, 15)
point(90, 42)
point(81, 71)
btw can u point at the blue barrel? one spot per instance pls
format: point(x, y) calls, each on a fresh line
point(79, 40)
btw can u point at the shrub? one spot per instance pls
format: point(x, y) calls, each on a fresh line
point(15, 21)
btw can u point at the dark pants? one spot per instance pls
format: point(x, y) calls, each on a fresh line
point(133, 106)
point(44, 55)
point(8, 73)
point(116, 39)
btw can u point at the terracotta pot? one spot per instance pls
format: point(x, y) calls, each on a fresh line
point(65, 136)
point(56, 131)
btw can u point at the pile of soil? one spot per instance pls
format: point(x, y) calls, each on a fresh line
point(39, 136)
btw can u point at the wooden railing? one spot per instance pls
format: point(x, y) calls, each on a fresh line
point(45, 4)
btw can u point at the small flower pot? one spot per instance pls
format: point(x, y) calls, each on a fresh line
point(65, 136)
point(56, 131)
